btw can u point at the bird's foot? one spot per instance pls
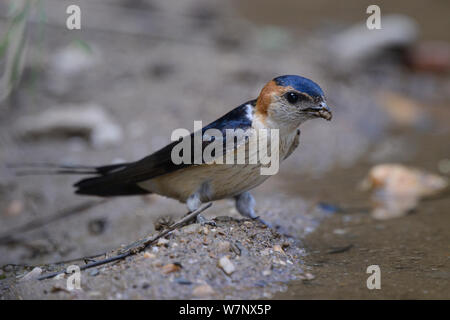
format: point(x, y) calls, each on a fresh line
point(203, 221)
point(264, 222)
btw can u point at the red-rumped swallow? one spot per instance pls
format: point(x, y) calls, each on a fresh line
point(284, 103)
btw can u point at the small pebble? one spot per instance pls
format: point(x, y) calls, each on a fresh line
point(171, 267)
point(15, 208)
point(339, 231)
point(226, 265)
point(277, 248)
point(148, 255)
point(309, 276)
point(278, 261)
point(248, 224)
point(266, 272)
point(162, 242)
point(33, 274)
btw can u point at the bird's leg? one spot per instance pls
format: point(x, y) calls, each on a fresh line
point(193, 203)
point(245, 205)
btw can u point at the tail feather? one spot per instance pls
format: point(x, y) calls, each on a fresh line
point(97, 185)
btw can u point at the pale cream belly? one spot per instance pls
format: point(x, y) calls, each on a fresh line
point(213, 182)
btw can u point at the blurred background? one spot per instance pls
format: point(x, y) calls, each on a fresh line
point(114, 91)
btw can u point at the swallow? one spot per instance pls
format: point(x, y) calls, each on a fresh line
point(284, 103)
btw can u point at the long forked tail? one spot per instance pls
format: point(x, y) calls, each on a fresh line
point(96, 186)
point(25, 169)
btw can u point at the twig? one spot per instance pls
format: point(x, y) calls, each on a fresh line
point(137, 246)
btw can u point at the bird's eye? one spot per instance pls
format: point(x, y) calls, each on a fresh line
point(292, 97)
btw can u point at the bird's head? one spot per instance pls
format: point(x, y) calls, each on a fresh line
point(289, 100)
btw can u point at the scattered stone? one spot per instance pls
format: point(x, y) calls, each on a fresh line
point(354, 45)
point(162, 242)
point(32, 275)
point(88, 120)
point(265, 252)
point(278, 261)
point(14, 208)
point(203, 291)
point(73, 59)
point(340, 231)
point(403, 110)
point(277, 248)
point(397, 189)
point(171, 267)
point(307, 276)
point(226, 265)
point(155, 249)
point(248, 224)
point(266, 273)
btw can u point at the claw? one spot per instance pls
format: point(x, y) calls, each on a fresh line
point(257, 218)
point(203, 221)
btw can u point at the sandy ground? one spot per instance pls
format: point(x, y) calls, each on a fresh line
point(162, 65)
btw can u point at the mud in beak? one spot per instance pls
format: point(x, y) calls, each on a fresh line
point(322, 111)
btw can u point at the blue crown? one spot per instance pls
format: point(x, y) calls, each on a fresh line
point(301, 84)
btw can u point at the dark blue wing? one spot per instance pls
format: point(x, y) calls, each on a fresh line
point(122, 180)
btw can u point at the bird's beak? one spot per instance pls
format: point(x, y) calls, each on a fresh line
point(324, 111)
point(321, 111)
